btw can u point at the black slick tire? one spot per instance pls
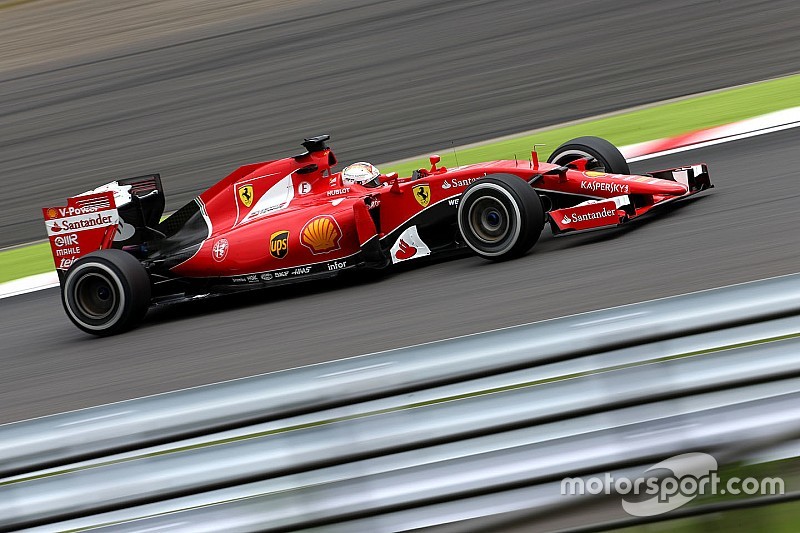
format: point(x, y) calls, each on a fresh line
point(609, 159)
point(500, 217)
point(106, 292)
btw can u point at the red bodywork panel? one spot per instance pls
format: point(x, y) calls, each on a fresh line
point(279, 215)
point(290, 213)
point(293, 217)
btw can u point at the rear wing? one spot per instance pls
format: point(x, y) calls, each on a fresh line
point(120, 213)
point(140, 203)
point(86, 224)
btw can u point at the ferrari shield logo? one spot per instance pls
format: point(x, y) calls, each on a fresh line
point(422, 193)
point(245, 193)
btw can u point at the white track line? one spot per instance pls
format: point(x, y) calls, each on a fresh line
point(29, 284)
point(752, 127)
point(712, 142)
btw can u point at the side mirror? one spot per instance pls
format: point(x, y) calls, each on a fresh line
point(434, 159)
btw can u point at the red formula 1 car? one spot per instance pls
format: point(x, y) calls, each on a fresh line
point(296, 219)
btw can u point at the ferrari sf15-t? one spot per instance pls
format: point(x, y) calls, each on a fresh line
point(295, 219)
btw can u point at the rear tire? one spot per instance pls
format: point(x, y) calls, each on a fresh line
point(106, 292)
point(609, 159)
point(500, 217)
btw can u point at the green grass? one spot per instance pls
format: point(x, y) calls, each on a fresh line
point(637, 126)
point(25, 261)
point(642, 125)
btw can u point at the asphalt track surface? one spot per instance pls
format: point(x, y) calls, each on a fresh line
point(388, 79)
point(745, 229)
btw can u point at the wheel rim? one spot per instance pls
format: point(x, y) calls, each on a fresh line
point(95, 296)
point(489, 220)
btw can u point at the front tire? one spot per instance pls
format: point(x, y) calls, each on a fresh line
point(500, 217)
point(106, 292)
point(607, 156)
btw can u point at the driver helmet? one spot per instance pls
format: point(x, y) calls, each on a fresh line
point(363, 173)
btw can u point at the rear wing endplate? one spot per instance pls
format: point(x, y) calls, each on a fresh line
point(86, 224)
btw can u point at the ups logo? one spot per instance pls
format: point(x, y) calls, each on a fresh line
point(279, 244)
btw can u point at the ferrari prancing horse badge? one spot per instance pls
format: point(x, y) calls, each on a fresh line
point(245, 193)
point(422, 193)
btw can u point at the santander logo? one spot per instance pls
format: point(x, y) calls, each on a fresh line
point(406, 251)
point(409, 245)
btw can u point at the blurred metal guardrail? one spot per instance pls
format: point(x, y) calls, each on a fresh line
point(370, 442)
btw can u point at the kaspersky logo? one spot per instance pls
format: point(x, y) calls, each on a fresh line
point(605, 186)
point(279, 244)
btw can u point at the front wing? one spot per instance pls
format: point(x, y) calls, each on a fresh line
point(594, 214)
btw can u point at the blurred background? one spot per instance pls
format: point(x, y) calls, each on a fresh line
point(94, 90)
point(91, 91)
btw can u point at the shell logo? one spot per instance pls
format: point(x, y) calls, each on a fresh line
point(51, 213)
point(321, 235)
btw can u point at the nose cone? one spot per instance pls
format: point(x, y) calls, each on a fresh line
point(649, 185)
point(631, 184)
